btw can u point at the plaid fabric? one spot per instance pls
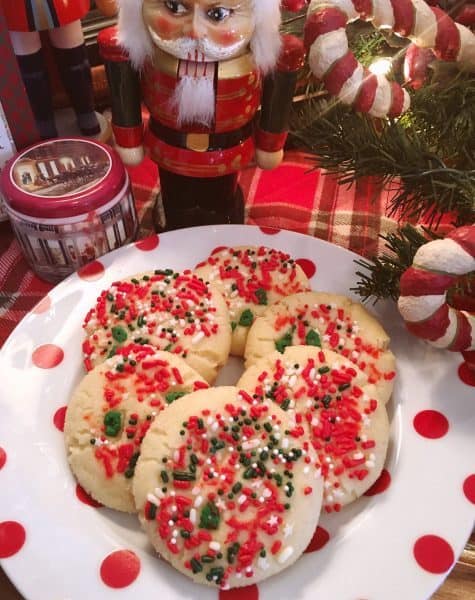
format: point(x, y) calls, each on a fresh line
point(293, 197)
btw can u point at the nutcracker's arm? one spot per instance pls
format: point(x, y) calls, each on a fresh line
point(278, 91)
point(124, 86)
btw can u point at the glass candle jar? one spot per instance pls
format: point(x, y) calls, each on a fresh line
point(69, 201)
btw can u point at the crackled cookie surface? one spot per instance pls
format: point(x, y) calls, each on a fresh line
point(221, 488)
point(111, 410)
point(251, 278)
point(171, 311)
point(331, 405)
point(332, 322)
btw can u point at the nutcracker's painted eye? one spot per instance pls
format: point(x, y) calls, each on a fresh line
point(177, 8)
point(218, 13)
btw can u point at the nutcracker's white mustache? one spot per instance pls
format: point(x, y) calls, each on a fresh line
point(199, 50)
point(194, 100)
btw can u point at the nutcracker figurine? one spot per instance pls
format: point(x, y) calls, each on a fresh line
point(202, 68)
point(25, 19)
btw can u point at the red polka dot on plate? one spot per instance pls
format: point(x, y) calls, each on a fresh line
point(249, 592)
point(12, 538)
point(3, 457)
point(469, 488)
point(218, 249)
point(84, 497)
point(47, 356)
point(467, 374)
point(92, 271)
point(120, 568)
point(42, 306)
point(270, 230)
point(148, 244)
point(380, 485)
point(59, 417)
point(433, 554)
point(320, 539)
point(431, 424)
point(307, 266)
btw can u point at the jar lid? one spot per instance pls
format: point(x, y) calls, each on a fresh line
point(62, 178)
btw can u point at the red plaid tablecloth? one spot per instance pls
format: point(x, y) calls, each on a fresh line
point(294, 197)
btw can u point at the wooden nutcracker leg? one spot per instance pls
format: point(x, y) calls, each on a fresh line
point(75, 72)
point(27, 48)
point(192, 201)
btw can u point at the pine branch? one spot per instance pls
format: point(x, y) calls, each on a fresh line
point(353, 146)
point(383, 274)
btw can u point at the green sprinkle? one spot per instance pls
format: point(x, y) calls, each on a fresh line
point(206, 558)
point(152, 512)
point(183, 476)
point(141, 321)
point(112, 423)
point(237, 487)
point(247, 318)
point(210, 517)
point(323, 370)
point(112, 352)
point(261, 295)
point(164, 476)
point(232, 552)
point(110, 297)
point(168, 347)
point(268, 427)
point(343, 387)
point(233, 325)
point(196, 566)
point(172, 396)
point(131, 467)
point(285, 404)
point(313, 339)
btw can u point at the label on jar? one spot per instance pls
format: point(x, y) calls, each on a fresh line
point(56, 247)
point(7, 150)
point(61, 168)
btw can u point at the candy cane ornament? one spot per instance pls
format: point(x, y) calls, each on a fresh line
point(344, 77)
point(423, 291)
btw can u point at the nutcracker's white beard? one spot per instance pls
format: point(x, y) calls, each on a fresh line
point(194, 100)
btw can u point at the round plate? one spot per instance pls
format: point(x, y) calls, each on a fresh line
point(399, 542)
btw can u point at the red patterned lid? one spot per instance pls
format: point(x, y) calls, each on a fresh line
point(62, 178)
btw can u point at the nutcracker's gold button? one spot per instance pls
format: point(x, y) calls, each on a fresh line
point(199, 142)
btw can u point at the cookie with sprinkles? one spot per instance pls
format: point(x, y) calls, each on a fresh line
point(251, 278)
point(110, 412)
point(331, 322)
point(221, 488)
point(171, 311)
point(331, 405)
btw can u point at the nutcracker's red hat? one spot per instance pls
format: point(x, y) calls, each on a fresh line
point(265, 42)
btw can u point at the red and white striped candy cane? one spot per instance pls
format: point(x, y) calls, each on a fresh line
point(423, 290)
point(344, 77)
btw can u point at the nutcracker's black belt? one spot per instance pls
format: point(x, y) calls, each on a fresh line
point(201, 142)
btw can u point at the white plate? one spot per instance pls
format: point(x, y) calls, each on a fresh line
point(382, 547)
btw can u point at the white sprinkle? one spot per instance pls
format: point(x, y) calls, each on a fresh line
point(267, 493)
point(242, 498)
point(285, 555)
point(198, 337)
point(196, 490)
point(370, 464)
point(288, 530)
point(158, 492)
point(153, 499)
point(198, 501)
point(263, 563)
point(215, 546)
point(174, 508)
point(171, 523)
point(173, 541)
point(358, 455)
point(193, 515)
point(175, 533)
